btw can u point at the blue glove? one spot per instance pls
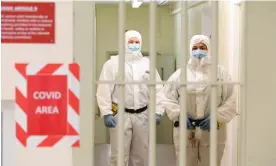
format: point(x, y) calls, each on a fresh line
point(205, 124)
point(158, 119)
point(189, 124)
point(109, 121)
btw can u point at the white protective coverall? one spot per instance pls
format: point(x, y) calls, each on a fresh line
point(136, 96)
point(198, 104)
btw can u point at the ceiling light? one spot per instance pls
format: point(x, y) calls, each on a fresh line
point(136, 3)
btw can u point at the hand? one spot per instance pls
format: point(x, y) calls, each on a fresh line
point(158, 119)
point(205, 124)
point(109, 121)
point(189, 124)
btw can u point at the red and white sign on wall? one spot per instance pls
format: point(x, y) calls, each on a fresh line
point(28, 22)
point(47, 105)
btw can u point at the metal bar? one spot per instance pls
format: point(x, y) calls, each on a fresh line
point(237, 66)
point(183, 78)
point(214, 44)
point(93, 73)
point(168, 82)
point(243, 111)
point(237, 52)
point(152, 88)
point(121, 111)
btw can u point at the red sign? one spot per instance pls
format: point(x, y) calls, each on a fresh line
point(28, 22)
point(47, 105)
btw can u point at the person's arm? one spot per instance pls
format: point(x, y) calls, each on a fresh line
point(104, 91)
point(167, 99)
point(227, 110)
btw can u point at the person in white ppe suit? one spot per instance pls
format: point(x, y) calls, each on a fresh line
point(198, 104)
point(136, 101)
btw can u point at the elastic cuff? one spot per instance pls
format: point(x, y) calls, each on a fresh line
point(158, 114)
point(160, 109)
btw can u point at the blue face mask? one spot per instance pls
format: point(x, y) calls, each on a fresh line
point(134, 47)
point(199, 54)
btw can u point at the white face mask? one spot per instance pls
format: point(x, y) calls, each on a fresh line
point(199, 54)
point(134, 48)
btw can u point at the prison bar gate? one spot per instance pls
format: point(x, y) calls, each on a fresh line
point(183, 84)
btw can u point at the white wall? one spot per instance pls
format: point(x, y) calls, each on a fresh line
point(61, 51)
point(8, 134)
point(260, 34)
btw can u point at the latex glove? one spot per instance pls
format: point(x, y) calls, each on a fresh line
point(158, 119)
point(205, 124)
point(109, 121)
point(189, 124)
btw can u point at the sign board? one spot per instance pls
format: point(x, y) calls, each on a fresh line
point(47, 102)
point(47, 105)
point(27, 22)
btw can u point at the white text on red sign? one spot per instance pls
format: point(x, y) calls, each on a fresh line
point(52, 95)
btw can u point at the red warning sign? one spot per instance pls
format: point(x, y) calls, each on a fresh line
point(47, 105)
point(28, 22)
point(47, 111)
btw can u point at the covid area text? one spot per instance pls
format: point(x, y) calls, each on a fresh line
point(47, 95)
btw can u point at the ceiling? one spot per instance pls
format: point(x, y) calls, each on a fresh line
point(128, 1)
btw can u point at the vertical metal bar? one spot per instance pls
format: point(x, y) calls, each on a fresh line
point(93, 84)
point(120, 127)
point(237, 67)
point(214, 44)
point(183, 78)
point(243, 111)
point(237, 41)
point(152, 89)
